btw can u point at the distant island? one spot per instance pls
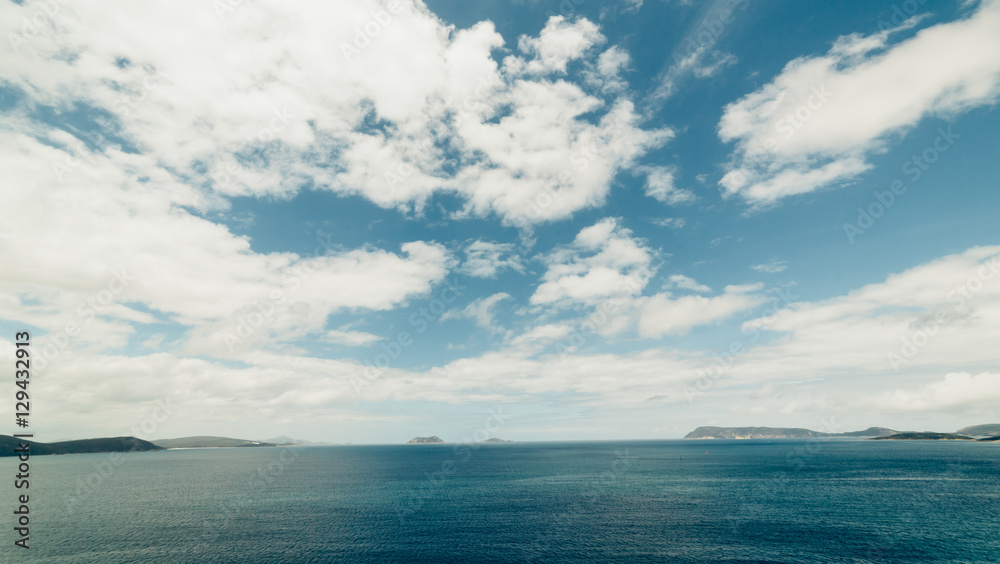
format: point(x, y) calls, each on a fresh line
point(208, 442)
point(925, 436)
point(495, 440)
point(109, 444)
point(976, 432)
point(288, 441)
point(424, 440)
point(979, 431)
point(779, 433)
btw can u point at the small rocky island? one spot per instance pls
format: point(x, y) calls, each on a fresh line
point(424, 440)
point(495, 440)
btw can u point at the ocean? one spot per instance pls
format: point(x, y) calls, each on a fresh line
point(630, 501)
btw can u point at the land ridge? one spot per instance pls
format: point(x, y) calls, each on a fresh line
point(79, 446)
point(977, 432)
point(205, 441)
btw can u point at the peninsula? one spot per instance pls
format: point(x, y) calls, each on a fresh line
point(109, 444)
point(976, 432)
point(779, 433)
point(208, 442)
point(925, 436)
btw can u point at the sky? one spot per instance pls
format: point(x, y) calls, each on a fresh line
point(363, 221)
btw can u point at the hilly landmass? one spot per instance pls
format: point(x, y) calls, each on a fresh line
point(779, 433)
point(424, 440)
point(109, 444)
point(284, 440)
point(924, 436)
point(869, 432)
point(208, 442)
point(989, 430)
point(976, 432)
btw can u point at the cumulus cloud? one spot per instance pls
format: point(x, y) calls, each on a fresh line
point(686, 283)
point(663, 314)
point(413, 109)
point(660, 185)
point(481, 311)
point(560, 42)
point(817, 123)
point(604, 261)
point(156, 261)
point(485, 259)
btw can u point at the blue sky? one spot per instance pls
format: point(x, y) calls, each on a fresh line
point(563, 212)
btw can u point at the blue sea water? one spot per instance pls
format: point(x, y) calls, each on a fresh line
point(663, 501)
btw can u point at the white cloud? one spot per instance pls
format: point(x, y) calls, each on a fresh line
point(607, 72)
point(604, 261)
point(695, 55)
point(154, 341)
point(671, 222)
point(481, 311)
point(169, 261)
point(559, 43)
point(772, 266)
point(957, 391)
point(938, 317)
point(660, 185)
point(662, 314)
point(632, 6)
point(485, 259)
point(541, 335)
point(717, 61)
point(419, 108)
point(351, 338)
point(687, 283)
point(816, 123)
